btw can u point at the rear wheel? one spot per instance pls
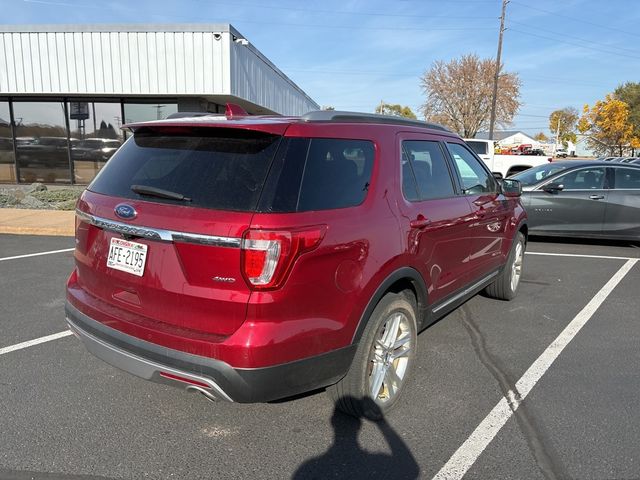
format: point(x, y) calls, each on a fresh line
point(383, 360)
point(506, 285)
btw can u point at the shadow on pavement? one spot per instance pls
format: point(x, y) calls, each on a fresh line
point(346, 459)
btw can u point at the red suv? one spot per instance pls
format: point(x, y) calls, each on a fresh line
point(255, 258)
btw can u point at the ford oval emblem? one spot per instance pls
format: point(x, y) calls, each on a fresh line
point(125, 211)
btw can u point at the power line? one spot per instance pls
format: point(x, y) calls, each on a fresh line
point(578, 20)
point(400, 28)
point(608, 52)
point(563, 35)
point(563, 81)
point(347, 12)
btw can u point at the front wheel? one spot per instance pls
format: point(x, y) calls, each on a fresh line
point(505, 287)
point(383, 360)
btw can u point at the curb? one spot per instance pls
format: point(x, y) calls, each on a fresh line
point(55, 232)
point(19, 221)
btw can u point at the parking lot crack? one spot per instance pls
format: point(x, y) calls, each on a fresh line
point(548, 462)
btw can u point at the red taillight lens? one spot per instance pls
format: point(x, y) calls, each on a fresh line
point(269, 255)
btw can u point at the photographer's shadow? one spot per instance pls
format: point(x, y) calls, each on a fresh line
point(346, 459)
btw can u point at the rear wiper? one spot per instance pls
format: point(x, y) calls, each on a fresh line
point(159, 192)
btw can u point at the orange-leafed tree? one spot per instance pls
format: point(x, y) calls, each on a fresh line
point(607, 127)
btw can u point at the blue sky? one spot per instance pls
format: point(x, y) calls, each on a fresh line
point(352, 54)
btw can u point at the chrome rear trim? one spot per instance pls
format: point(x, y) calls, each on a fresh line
point(158, 233)
point(142, 367)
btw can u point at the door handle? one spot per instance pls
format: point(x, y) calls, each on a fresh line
point(596, 197)
point(420, 222)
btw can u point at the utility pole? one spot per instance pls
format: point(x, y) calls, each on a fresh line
point(492, 120)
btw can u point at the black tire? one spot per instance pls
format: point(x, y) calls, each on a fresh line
point(352, 394)
point(504, 288)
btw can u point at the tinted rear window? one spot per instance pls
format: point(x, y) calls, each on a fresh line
point(479, 147)
point(220, 168)
point(319, 174)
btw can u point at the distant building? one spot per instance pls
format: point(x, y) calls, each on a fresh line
point(507, 138)
point(580, 148)
point(66, 90)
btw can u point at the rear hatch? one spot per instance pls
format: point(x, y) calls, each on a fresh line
point(159, 230)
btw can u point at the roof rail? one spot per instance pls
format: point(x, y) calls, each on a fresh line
point(358, 117)
point(192, 114)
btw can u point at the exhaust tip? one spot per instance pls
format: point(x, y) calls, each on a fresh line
point(208, 395)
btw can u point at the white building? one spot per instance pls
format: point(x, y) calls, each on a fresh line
point(509, 138)
point(64, 84)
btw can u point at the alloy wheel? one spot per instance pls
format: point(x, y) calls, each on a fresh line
point(516, 267)
point(389, 358)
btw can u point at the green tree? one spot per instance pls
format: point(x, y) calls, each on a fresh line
point(629, 93)
point(563, 123)
point(396, 110)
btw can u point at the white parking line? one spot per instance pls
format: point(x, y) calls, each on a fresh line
point(35, 341)
point(580, 255)
point(37, 254)
point(470, 450)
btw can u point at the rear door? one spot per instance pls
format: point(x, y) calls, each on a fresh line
point(491, 211)
point(182, 197)
point(578, 208)
point(622, 213)
point(435, 218)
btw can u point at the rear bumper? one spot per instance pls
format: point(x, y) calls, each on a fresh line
point(216, 379)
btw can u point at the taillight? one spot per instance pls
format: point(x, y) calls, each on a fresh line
point(550, 159)
point(269, 255)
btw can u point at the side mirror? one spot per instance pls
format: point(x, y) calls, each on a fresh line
point(553, 187)
point(511, 188)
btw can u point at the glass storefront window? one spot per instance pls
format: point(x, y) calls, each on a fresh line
point(141, 112)
point(41, 142)
point(7, 158)
point(95, 136)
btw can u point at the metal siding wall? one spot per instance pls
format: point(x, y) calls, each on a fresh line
point(112, 63)
point(256, 81)
point(143, 63)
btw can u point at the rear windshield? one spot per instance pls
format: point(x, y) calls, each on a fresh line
point(479, 147)
point(222, 169)
point(239, 170)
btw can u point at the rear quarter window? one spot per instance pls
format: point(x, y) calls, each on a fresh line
point(627, 178)
point(319, 174)
point(479, 147)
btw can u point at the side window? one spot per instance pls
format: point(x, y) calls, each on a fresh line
point(475, 179)
point(425, 175)
point(627, 178)
point(585, 179)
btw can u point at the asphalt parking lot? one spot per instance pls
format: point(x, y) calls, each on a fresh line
point(545, 386)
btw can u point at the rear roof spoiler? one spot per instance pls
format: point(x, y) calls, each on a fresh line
point(358, 117)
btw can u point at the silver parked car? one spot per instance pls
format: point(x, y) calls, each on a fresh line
point(583, 199)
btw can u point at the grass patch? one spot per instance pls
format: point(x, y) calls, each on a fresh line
point(57, 196)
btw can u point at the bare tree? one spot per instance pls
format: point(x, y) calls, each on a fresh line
point(459, 94)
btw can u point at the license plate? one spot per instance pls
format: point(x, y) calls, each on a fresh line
point(127, 256)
